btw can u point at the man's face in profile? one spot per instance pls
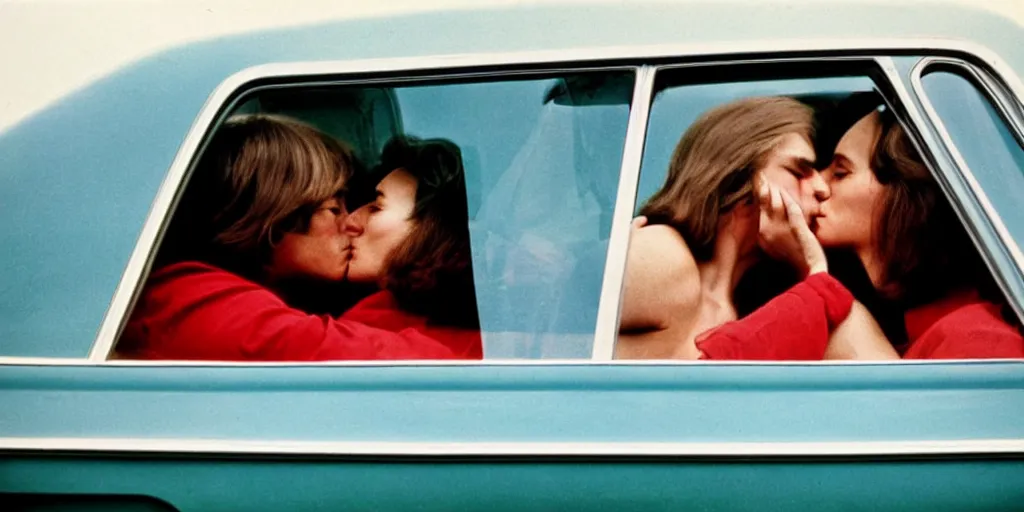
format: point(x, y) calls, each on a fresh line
point(790, 166)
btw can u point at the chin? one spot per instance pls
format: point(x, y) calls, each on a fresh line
point(355, 276)
point(826, 241)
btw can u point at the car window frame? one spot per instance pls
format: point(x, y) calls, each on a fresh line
point(998, 95)
point(642, 59)
point(240, 86)
point(1007, 274)
point(646, 73)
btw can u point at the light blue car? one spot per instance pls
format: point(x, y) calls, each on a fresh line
point(567, 117)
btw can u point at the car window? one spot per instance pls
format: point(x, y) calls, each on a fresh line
point(676, 107)
point(542, 158)
point(981, 135)
point(543, 162)
point(646, 330)
point(704, 279)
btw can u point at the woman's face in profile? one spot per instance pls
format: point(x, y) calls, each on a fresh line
point(377, 228)
point(849, 215)
point(320, 253)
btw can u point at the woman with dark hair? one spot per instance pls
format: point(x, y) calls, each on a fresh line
point(260, 220)
point(412, 240)
point(890, 212)
point(887, 209)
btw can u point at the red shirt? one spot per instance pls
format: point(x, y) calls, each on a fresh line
point(796, 326)
point(961, 326)
point(196, 311)
point(381, 310)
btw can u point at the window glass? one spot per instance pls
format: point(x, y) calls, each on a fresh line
point(654, 324)
point(982, 137)
point(676, 107)
point(542, 160)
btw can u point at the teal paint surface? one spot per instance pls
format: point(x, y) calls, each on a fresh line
point(289, 484)
point(585, 403)
point(77, 179)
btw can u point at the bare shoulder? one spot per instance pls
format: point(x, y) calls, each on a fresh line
point(661, 248)
point(662, 281)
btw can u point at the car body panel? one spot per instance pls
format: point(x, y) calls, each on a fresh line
point(206, 436)
point(557, 403)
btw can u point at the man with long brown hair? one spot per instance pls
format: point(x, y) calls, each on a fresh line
point(702, 225)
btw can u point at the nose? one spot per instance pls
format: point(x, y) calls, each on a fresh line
point(819, 187)
point(355, 221)
point(342, 218)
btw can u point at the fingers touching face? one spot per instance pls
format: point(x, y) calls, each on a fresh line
point(790, 168)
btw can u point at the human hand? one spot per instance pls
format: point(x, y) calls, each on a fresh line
point(783, 232)
point(637, 223)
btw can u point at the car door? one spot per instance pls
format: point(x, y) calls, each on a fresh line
point(562, 156)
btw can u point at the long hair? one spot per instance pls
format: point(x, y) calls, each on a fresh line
point(713, 166)
point(431, 273)
point(926, 250)
point(261, 176)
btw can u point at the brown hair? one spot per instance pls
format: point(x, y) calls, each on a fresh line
point(431, 272)
point(712, 167)
point(259, 177)
point(926, 250)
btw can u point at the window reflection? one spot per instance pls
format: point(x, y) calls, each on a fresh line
point(543, 159)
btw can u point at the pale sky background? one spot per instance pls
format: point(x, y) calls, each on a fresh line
point(47, 50)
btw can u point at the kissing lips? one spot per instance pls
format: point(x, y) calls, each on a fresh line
point(814, 222)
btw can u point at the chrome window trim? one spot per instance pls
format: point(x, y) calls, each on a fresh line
point(1017, 302)
point(609, 307)
point(1013, 118)
point(994, 92)
point(176, 363)
point(140, 260)
point(441, 77)
point(604, 342)
point(746, 449)
point(224, 96)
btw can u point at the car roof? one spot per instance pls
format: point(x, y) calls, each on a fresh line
point(506, 29)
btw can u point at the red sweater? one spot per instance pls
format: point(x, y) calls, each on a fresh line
point(793, 326)
point(381, 310)
point(961, 326)
point(796, 326)
point(192, 310)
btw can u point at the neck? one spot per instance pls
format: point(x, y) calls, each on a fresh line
point(731, 259)
point(873, 265)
